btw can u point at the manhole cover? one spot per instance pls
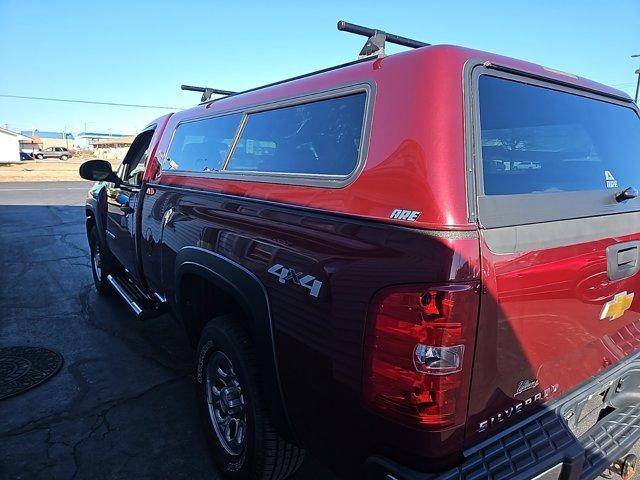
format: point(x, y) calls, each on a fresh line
point(24, 367)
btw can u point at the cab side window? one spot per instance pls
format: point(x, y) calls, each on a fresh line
point(132, 167)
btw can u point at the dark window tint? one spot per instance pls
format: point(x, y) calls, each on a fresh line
point(322, 137)
point(201, 145)
point(535, 139)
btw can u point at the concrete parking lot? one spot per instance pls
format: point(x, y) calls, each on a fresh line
point(123, 405)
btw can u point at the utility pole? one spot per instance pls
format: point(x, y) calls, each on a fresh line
point(33, 150)
point(638, 74)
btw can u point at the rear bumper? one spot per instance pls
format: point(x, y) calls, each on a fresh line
point(543, 447)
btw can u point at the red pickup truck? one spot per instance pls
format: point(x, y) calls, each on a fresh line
point(369, 275)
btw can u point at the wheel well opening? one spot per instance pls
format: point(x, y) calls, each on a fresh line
point(200, 301)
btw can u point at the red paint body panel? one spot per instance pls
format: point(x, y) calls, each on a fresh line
point(540, 319)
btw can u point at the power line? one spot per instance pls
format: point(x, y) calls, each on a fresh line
point(68, 100)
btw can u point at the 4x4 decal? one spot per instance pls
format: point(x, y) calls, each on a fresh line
point(285, 274)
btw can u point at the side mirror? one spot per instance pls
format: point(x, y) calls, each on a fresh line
point(98, 170)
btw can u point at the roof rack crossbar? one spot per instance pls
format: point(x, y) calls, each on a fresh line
point(377, 39)
point(207, 92)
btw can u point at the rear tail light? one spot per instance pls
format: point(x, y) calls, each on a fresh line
point(418, 353)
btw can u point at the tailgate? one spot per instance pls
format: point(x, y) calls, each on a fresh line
point(560, 245)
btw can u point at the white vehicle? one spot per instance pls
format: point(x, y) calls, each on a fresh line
point(527, 166)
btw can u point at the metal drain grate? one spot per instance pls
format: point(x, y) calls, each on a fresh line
point(22, 368)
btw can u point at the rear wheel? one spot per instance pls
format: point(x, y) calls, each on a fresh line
point(242, 438)
point(39, 156)
point(99, 263)
point(64, 158)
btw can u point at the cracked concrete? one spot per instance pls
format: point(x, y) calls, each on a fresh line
point(123, 406)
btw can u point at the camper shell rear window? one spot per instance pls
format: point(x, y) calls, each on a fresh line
point(547, 152)
point(537, 140)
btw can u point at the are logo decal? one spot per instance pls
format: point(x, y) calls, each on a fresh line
point(285, 275)
point(408, 215)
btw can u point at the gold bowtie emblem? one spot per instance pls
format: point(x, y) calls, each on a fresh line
point(616, 307)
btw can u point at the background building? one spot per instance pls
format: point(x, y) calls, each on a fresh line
point(28, 144)
point(50, 139)
point(86, 140)
point(9, 146)
point(112, 148)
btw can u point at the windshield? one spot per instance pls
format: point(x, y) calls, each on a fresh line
point(535, 140)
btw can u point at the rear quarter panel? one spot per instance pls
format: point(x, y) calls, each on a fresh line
point(318, 340)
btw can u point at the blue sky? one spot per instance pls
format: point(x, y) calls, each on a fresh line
point(141, 51)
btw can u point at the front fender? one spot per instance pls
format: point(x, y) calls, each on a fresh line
point(96, 206)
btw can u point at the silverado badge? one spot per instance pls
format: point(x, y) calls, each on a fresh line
point(524, 385)
point(616, 307)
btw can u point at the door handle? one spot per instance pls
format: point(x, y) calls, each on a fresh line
point(623, 260)
point(628, 257)
point(126, 209)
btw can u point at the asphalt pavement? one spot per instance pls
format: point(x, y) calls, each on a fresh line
point(44, 193)
point(123, 405)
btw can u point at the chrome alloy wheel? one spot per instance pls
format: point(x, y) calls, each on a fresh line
point(96, 261)
point(226, 403)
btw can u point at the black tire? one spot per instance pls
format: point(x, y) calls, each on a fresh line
point(64, 158)
point(99, 263)
point(39, 157)
point(263, 455)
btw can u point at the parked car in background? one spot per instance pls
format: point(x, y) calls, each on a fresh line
point(363, 279)
point(527, 166)
point(53, 152)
